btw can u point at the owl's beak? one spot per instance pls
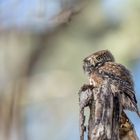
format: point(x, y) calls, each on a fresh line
point(93, 64)
point(87, 66)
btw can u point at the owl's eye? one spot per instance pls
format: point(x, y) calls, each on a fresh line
point(98, 58)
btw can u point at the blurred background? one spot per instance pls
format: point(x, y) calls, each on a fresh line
point(42, 45)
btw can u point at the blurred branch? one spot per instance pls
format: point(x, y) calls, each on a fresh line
point(11, 122)
point(45, 18)
point(40, 46)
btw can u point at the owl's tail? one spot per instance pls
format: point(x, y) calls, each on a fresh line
point(136, 110)
point(129, 104)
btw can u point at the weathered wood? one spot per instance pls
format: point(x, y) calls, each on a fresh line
point(105, 125)
point(126, 128)
point(85, 97)
point(107, 121)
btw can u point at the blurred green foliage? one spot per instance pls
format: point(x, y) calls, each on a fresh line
point(41, 72)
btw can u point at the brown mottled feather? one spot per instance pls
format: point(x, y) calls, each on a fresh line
point(124, 81)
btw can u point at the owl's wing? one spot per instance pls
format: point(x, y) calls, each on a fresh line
point(122, 77)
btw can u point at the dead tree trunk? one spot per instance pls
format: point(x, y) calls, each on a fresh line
point(106, 116)
point(107, 121)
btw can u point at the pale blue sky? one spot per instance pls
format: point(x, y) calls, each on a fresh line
point(36, 13)
point(28, 12)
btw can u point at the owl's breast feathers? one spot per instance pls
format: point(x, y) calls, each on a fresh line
point(124, 82)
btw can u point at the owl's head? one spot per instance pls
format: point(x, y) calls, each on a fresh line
point(96, 60)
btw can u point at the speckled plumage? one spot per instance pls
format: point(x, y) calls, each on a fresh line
point(101, 65)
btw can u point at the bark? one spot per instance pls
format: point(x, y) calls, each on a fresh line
point(107, 121)
point(126, 129)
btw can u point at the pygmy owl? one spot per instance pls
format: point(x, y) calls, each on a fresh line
point(101, 65)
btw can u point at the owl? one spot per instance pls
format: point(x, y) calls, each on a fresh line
point(101, 65)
